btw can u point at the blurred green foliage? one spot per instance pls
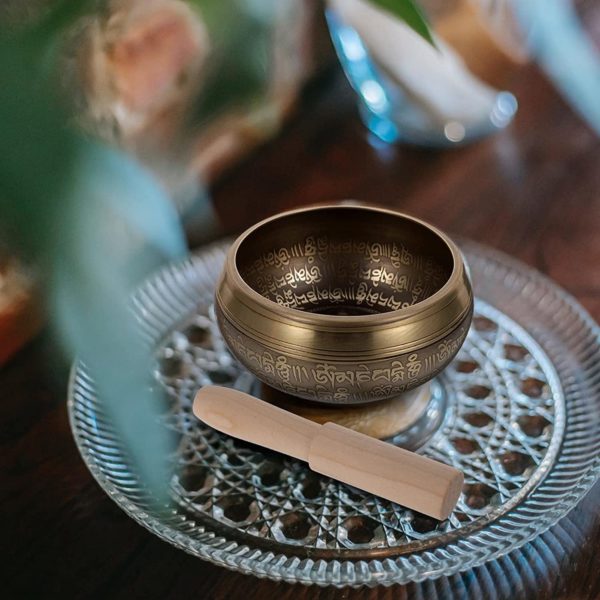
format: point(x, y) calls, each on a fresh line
point(409, 12)
point(239, 66)
point(94, 222)
point(238, 70)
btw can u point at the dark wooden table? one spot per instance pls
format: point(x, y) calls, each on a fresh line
point(532, 191)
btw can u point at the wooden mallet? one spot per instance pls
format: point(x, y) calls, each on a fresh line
point(412, 480)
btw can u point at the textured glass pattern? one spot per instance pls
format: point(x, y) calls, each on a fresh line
point(513, 397)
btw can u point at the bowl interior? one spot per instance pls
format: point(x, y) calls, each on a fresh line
point(344, 261)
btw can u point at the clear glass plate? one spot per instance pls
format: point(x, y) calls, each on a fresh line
point(523, 423)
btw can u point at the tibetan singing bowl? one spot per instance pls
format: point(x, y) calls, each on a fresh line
point(344, 304)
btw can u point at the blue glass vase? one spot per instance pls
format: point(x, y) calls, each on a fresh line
point(391, 114)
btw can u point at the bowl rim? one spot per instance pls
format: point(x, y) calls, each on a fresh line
point(325, 320)
point(392, 316)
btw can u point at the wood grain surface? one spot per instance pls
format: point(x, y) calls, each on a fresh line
point(532, 191)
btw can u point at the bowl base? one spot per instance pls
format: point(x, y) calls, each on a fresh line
point(407, 420)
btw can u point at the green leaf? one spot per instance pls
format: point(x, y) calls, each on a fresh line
point(95, 223)
point(239, 68)
point(410, 13)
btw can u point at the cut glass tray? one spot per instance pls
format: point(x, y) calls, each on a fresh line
point(522, 423)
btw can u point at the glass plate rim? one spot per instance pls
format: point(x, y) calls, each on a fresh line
point(414, 567)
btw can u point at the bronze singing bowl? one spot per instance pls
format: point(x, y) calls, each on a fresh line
point(344, 304)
